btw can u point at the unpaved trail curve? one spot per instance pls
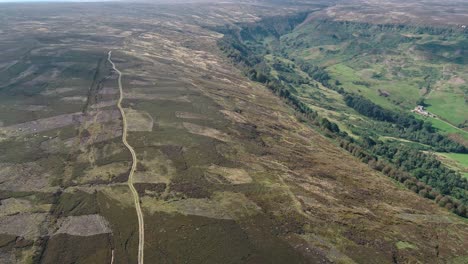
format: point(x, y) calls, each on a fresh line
point(136, 197)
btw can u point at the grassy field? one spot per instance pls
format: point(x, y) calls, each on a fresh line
point(402, 92)
point(444, 104)
point(445, 128)
point(456, 161)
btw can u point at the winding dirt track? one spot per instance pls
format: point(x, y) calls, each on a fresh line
point(136, 198)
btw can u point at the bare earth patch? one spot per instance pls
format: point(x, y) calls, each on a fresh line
point(237, 205)
point(13, 206)
point(200, 207)
point(24, 225)
point(103, 173)
point(223, 205)
point(139, 120)
point(18, 177)
point(158, 170)
point(456, 80)
point(183, 98)
point(54, 145)
point(206, 131)
point(233, 175)
point(188, 115)
point(233, 116)
point(34, 108)
point(41, 125)
point(425, 218)
point(79, 99)
point(59, 91)
point(7, 256)
point(59, 121)
point(84, 225)
point(104, 104)
point(99, 132)
point(108, 90)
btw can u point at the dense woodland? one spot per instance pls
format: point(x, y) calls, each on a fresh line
point(418, 171)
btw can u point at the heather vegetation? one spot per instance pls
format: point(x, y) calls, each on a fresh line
point(286, 163)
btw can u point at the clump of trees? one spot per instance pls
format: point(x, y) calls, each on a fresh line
point(317, 73)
